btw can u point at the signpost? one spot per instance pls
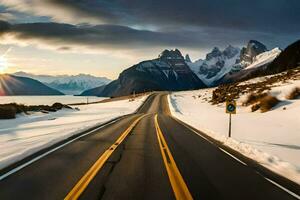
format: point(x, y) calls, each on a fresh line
point(230, 109)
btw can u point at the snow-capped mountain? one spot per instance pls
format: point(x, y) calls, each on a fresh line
point(24, 86)
point(67, 84)
point(264, 58)
point(216, 64)
point(249, 52)
point(168, 72)
point(267, 63)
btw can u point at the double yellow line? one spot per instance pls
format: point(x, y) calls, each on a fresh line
point(92, 172)
point(179, 186)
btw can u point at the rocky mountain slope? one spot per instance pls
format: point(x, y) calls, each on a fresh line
point(167, 72)
point(68, 84)
point(14, 85)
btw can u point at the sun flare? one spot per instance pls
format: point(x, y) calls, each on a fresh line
point(3, 64)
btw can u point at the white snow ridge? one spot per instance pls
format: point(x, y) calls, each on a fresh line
point(264, 58)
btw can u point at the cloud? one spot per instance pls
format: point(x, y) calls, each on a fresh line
point(109, 38)
point(6, 16)
point(99, 25)
point(280, 16)
point(60, 10)
point(66, 36)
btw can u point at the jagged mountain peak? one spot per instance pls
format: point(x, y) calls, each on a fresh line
point(187, 58)
point(252, 49)
point(170, 54)
point(257, 44)
point(231, 51)
point(217, 63)
point(214, 53)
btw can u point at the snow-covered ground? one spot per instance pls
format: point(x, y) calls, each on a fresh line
point(28, 134)
point(271, 138)
point(49, 100)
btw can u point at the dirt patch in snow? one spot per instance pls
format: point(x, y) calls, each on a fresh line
point(235, 90)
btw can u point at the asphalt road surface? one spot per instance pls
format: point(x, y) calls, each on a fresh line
point(146, 155)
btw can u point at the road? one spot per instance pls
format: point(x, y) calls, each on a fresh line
point(146, 155)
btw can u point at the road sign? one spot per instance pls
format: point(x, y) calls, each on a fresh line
point(231, 107)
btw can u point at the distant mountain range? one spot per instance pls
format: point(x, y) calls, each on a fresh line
point(171, 71)
point(289, 58)
point(14, 85)
point(218, 64)
point(67, 84)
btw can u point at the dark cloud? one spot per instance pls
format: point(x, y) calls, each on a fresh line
point(280, 16)
point(197, 24)
point(67, 37)
point(94, 36)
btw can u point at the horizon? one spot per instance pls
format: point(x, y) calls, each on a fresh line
point(63, 38)
point(95, 75)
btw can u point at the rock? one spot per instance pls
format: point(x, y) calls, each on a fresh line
point(7, 112)
point(253, 49)
point(214, 53)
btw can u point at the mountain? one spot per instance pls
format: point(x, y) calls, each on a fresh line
point(172, 71)
point(287, 59)
point(253, 49)
point(187, 58)
point(68, 84)
point(15, 85)
point(232, 62)
point(264, 58)
point(216, 64)
point(167, 72)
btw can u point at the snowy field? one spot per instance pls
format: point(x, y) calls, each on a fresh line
point(271, 138)
point(26, 135)
point(48, 100)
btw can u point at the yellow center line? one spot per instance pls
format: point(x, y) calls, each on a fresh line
point(92, 172)
point(179, 186)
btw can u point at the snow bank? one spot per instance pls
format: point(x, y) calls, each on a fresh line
point(270, 138)
point(26, 135)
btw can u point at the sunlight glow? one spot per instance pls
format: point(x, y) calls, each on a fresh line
point(3, 64)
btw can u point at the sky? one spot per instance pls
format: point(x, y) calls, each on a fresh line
point(104, 37)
